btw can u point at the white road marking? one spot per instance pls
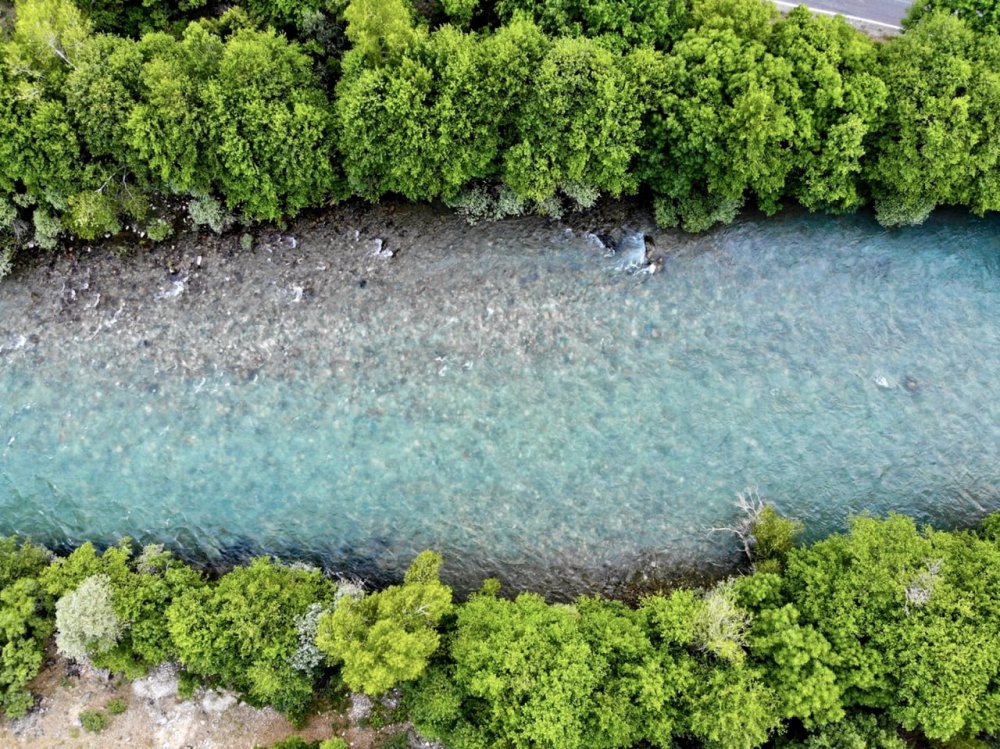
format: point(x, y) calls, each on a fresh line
point(834, 13)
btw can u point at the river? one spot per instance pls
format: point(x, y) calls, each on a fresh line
point(507, 394)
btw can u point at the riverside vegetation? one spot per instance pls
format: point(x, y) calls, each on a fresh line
point(841, 644)
point(122, 116)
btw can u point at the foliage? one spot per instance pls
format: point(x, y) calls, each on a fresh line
point(380, 31)
point(94, 721)
point(721, 123)
point(269, 126)
point(141, 589)
point(386, 638)
point(841, 99)
point(721, 625)
point(92, 214)
point(47, 229)
point(859, 731)
point(241, 633)
point(47, 36)
point(207, 211)
point(635, 22)
point(578, 127)
point(929, 657)
point(709, 104)
point(116, 706)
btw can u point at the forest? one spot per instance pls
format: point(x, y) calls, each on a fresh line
point(883, 635)
point(144, 115)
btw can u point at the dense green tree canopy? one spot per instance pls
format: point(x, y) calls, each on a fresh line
point(494, 107)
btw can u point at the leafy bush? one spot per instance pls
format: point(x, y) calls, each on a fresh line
point(774, 535)
point(142, 588)
point(861, 731)
point(579, 128)
point(116, 706)
point(207, 211)
point(634, 22)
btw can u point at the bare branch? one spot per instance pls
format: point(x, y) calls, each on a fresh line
point(751, 505)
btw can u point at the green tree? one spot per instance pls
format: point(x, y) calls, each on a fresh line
point(578, 130)
point(166, 130)
point(797, 666)
point(912, 626)
point(380, 31)
point(268, 124)
point(841, 100)
point(937, 144)
point(634, 22)
point(730, 706)
point(86, 622)
point(386, 638)
point(47, 37)
point(859, 731)
point(241, 633)
point(26, 622)
point(722, 125)
point(101, 91)
point(426, 125)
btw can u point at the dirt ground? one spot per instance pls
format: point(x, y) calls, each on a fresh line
point(155, 718)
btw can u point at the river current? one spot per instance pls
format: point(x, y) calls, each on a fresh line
point(510, 395)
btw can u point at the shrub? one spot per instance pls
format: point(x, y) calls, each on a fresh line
point(159, 229)
point(92, 215)
point(116, 706)
point(47, 229)
point(207, 211)
point(721, 625)
point(937, 146)
point(774, 535)
point(141, 589)
point(861, 731)
point(981, 15)
point(94, 721)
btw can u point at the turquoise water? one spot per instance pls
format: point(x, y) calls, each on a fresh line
point(835, 366)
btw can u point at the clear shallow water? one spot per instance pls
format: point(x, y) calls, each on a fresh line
point(837, 367)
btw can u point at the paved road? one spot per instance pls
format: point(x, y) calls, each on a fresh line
point(887, 13)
